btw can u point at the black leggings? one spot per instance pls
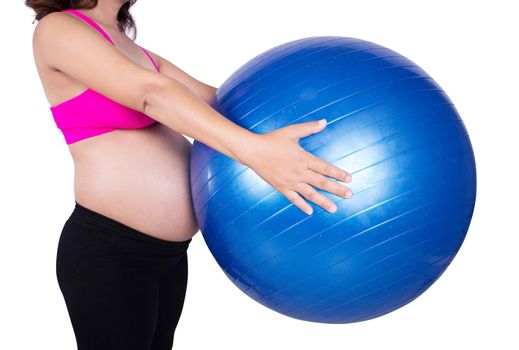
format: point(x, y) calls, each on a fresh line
point(123, 289)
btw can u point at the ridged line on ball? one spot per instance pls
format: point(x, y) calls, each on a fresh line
point(253, 67)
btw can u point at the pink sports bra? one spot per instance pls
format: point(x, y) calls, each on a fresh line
point(90, 113)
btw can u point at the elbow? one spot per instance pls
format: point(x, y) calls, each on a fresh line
point(166, 98)
point(153, 92)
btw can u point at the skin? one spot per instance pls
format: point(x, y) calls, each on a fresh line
point(140, 177)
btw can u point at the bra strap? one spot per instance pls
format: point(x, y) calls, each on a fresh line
point(151, 58)
point(100, 30)
point(91, 22)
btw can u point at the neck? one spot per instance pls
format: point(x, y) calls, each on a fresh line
point(105, 12)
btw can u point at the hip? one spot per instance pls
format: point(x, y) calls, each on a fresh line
point(91, 238)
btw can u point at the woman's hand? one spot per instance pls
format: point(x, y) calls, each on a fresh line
point(278, 159)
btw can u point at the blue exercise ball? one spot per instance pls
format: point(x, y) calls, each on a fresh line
point(414, 182)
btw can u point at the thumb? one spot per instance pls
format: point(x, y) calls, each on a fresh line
point(299, 130)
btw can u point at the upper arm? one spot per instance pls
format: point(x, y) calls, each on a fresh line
point(202, 90)
point(69, 45)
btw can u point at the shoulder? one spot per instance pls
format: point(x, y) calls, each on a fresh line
point(47, 33)
point(52, 24)
point(58, 28)
point(59, 31)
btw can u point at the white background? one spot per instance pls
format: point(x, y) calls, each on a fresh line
point(468, 47)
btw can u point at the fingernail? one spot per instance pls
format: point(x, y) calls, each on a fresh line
point(348, 178)
point(332, 208)
point(309, 211)
point(348, 194)
point(322, 122)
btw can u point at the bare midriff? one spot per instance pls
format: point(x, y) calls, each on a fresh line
point(139, 177)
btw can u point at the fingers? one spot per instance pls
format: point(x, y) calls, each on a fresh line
point(323, 167)
point(327, 184)
point(318, 198)
point(298, 201)
point(299, 130)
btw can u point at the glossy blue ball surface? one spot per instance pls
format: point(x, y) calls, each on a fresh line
point(414, 182)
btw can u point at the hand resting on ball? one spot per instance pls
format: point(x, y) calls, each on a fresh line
point(278, 158)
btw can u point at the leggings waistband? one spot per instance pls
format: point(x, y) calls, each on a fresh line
point(82, 214)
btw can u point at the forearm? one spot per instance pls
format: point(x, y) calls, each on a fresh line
point(176, 106)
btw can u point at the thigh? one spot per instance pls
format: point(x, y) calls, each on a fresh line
point(172, 291)
point(109, 306)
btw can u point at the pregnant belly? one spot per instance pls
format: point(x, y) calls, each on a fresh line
point(139, 178)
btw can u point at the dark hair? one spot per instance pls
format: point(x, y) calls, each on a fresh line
point(125, 21)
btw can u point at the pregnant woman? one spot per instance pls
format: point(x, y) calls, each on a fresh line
point(123, 110)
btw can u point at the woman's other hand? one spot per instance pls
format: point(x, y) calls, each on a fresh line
point(278, 159)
